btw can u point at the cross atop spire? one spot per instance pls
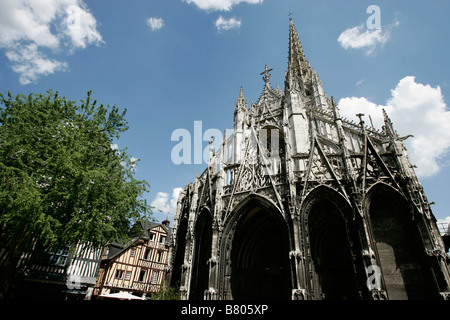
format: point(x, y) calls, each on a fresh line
point(266, 74)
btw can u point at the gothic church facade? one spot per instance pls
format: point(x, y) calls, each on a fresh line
point(299, 203)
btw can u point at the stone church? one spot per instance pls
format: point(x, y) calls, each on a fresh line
point(299, 203)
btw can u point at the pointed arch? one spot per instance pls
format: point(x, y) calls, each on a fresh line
point(202, 253)
point(397, 244)
point(255, 251)
point(238, 209)
point(331, 194)
point(180, 250)
point(331, 241)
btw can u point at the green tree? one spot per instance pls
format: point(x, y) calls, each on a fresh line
point(167, 293)
point(60, 179)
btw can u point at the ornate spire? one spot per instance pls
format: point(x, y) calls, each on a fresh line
point(240, 102)
point(388, 126)
point(295, 47)
point(241, 94)
point(299, 71)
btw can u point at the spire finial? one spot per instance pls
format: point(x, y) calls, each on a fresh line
point(240, 102)
point(386, 117)
point(387, 122)
point(241, 93)
point(266, 74)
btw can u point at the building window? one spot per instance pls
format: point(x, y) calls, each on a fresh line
point(162, 239)
point(133, 252)
point(152, 236)
point(119, 274)
point(147, 254)
point(142, 275)
point(155, 276)
point(127, 275)
point(159, 256)
point(59, 257)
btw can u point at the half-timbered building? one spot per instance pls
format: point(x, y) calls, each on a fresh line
point(137, 267)
point(64, 273)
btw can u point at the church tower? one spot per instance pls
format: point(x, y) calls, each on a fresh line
point(299, 203)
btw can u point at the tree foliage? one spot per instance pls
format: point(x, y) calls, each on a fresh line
point(167, 293)
point(60, 180)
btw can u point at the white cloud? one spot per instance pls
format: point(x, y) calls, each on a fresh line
point(445, 220)
point(444, 225)
point(350, 106)
point(155, 23)
point(29, 26)
point(81, 26)
point(354, 38)
point(220, 5)
point(360, 37)
point(30, 63)
point(227, 24)
point(163, 203)
point(416, 109)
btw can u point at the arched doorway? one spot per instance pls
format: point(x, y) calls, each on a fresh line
point(259, 254)
point(331, 253)
point(202, 253)
point(398, 246)
point(175, 279)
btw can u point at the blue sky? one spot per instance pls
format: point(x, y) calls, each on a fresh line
point(173, 62)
